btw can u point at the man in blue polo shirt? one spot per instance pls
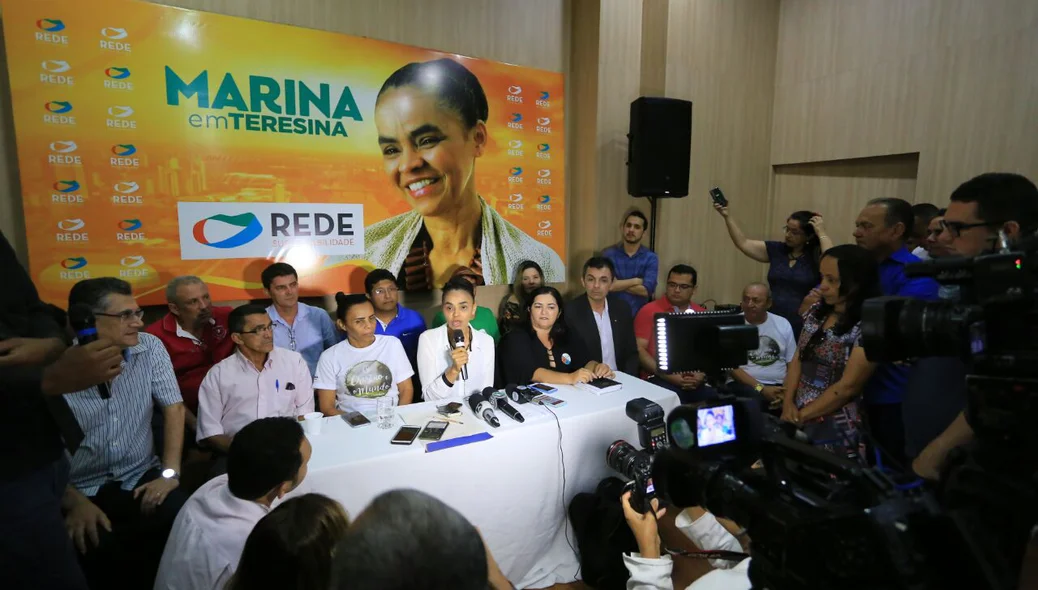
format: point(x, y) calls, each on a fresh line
point(395, 319)
point(882, 227)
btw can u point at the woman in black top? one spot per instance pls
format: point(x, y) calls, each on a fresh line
point(544, 352)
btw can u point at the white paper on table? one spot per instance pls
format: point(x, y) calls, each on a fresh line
point(418, 416)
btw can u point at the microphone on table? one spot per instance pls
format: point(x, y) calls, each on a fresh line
point(519, 394)
point(459, 342)
point(499, 400)
point(83, 322)
point(481, 407)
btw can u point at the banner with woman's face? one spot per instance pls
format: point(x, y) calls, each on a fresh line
point(155, 142)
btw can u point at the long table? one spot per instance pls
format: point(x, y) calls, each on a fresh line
point(515, 487)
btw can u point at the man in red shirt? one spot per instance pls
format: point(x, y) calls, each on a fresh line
point(681, 285)
point(195, 334)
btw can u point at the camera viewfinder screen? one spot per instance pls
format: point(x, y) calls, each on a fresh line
point(715, 425)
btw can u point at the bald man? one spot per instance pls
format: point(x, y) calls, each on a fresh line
point(762, 376)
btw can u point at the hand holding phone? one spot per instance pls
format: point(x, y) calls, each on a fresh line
point(718, 197)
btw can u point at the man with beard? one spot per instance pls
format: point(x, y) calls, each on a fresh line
point(637, 267)
point(196, 337)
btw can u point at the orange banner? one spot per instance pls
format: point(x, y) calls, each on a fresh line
point(155, 142)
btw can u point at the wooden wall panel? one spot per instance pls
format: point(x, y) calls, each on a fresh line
point(954, 80)
point(839, 190)
point(721, 56)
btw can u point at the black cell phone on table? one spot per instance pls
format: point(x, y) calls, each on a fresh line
point(406, 435)
point(433, 430)
point(355, 419)
point(718, 197)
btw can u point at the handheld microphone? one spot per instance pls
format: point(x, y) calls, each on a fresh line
point(482, 408)
point(500, 401)
point(83, 322)
point(459, 342)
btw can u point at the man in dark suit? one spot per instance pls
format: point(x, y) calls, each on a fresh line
point(603, 319)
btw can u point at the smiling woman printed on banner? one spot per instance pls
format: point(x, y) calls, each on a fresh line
point(432, 125)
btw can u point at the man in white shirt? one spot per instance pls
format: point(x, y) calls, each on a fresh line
point(267, 460)
point(763, 375)
point(257, 381)
point(651, 571)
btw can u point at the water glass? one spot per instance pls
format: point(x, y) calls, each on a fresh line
point(386, 411)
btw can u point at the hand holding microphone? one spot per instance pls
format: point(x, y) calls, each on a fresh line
point(460, 354)
point(83, 322)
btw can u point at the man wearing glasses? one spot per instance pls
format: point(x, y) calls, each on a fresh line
point(303, 328)
point(123, 498)
point(257, 381)
point(981, 210)
point(394, 319)
point(681, 285)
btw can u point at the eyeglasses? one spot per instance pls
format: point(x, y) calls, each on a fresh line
point(679, 286)
point(791, 231)
point(124, 316)
point(267, 328)
point(956, 228)
point(388, 291)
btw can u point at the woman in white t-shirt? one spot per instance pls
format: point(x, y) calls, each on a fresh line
point(440, 362)
point(354, 373)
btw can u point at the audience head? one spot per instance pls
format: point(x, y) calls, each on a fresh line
point(935, 247)
point(681, 285)
point(985, 204)
point(291, 547)
point(116, 311)
point(445, 100)
point(251, 328)
point(528, 276)
point(545, 312)
point(381, 287)
point(188, 300)
point(883, 226)
point(356, 316)
point(801, 234)
point(756, 301)
point(281, 282)
point(598, 277)
point(923, 214)
point(850, 275)
point(459, 303)
point(407, 539)
point(267, 459)
point(634, 225)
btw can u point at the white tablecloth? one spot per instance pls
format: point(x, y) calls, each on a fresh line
point(510, 486)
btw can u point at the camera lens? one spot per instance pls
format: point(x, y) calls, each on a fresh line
point(626, 460)
point(895, 328)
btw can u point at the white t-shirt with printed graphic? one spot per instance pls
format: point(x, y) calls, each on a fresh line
point(360, 376)
point(767, 364)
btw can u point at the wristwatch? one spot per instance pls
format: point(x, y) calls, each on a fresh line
point(758, 387)
point(169, 473)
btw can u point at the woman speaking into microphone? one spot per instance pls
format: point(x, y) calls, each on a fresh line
point(455, 359)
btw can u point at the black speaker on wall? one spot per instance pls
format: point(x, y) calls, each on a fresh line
point(660, 143)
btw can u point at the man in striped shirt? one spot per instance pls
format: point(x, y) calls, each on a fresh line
point(123, 498)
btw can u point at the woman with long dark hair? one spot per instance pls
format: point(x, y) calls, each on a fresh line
point(528, 277)
point(793, 269)
point(291, 547)
point(830, 369)
point(545, 351)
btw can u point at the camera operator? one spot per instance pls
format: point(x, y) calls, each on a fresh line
point(649, 570)
point(979, 210)
point(35, 550)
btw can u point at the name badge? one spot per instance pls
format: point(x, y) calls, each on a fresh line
point(566, 358)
